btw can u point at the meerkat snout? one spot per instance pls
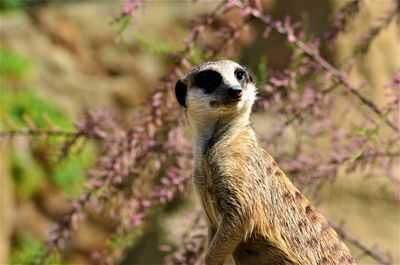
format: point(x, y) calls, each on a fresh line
point(235, 92)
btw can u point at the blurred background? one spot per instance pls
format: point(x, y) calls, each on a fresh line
point(61, 58)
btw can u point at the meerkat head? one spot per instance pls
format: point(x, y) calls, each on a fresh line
point(214, 89)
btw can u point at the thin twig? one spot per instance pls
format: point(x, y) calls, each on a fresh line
point(370, 252)
point(38, 132)
point(373, 32)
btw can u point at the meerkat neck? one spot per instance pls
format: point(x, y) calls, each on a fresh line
point(224, 128)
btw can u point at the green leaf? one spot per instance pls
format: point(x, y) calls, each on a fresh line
point(356, 156)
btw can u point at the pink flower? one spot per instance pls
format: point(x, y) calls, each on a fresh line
point(136, 219)
point(291, 37)
point(128, 6)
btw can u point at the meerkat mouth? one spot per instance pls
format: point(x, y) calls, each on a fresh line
point(224, 103)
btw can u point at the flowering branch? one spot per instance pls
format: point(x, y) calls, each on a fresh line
point(339, 76)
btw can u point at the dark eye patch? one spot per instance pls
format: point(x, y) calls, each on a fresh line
point(209, 80)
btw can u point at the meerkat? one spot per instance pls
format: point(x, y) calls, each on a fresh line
point(254, 211)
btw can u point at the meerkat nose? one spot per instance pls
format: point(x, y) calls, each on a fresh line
point(235, 92)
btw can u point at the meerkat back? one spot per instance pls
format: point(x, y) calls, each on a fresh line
point(254, 211)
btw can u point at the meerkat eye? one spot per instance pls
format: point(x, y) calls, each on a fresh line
point(209, 80)
point(240, 75)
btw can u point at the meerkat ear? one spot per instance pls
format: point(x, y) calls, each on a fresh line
point(180, 93)
point(251, 79)
point(249, 73)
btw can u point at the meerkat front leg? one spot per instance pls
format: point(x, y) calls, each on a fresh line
point(224, 242)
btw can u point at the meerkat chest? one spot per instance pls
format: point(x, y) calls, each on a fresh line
point(204, 187)
point(218, 186)
point(221, 162)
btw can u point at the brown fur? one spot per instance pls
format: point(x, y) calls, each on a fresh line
point(255, 213)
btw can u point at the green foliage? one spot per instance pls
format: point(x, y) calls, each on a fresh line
point(11, 5)
point(197, 56)
point(28, 250)
point(22, 107)
point(368, 134)
point(17, 101)
point(262, 74)
point(13, 66)
point(124, 240)
point(69, 174)
point(154, 46)
point(121, 24)
point(355, 157)
point(27, 174)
